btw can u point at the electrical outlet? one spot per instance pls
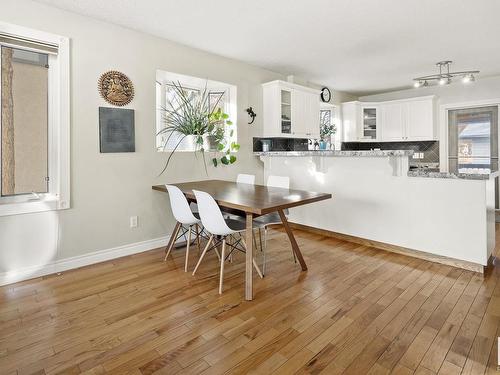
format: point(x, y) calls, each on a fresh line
point(133, 221)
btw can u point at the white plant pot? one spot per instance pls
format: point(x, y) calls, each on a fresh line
point(188, 142)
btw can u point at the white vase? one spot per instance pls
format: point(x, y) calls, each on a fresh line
point(187, 142)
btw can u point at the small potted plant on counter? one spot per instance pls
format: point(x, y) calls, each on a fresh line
point(325, 133)
point(193, 123)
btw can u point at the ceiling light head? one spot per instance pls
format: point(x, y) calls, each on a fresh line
point(417, 84)
point(444, 81)
point(425, 84)
point(468, 78)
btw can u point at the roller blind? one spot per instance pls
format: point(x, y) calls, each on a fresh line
point(28, 44)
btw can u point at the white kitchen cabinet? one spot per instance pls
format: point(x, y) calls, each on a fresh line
point(390, 121)
point(360, 121)
point(420, 120)
point(392, 126)
point(408, 120)
point(350, 121)
point(290, 110)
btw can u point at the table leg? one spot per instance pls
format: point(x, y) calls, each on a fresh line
point(295, 246)
point(249, 258)
point(172, 236)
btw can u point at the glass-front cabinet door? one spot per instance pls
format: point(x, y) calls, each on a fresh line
point(286, 111)
point(369, 123)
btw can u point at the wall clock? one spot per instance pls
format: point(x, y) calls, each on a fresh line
point(326, 95)
point(116, 88)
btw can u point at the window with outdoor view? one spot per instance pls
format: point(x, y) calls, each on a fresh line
point(24, 97)
point(34, 121)
point(194, 113)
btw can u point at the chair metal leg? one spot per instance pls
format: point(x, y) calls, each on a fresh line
point(172, 243)
point(203, 254)
point(221, 277)
point(187, 249)
point(260, 240)
point(198, 234)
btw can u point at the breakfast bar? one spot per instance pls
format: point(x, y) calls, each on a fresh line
point(446, 217)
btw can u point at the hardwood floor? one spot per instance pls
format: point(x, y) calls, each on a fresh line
point(357, 310)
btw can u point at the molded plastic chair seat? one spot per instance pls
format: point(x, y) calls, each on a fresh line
point(245, 179)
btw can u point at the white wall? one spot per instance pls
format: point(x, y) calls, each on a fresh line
point(108, 188)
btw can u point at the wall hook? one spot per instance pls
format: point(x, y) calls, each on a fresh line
point(252, 114)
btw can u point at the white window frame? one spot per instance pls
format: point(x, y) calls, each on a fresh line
point(165, 78)
point(443, 125)
point(58, 195)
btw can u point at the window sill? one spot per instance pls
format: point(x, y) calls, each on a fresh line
point(48, 203)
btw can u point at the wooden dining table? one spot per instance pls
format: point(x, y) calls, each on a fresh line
point(251, 201)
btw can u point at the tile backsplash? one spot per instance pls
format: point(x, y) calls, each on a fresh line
point(281, 144)
point(430, 149)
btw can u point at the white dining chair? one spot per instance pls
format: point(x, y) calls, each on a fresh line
point(273, 218)
point(245, 179)
point(186, 218)
point(221, 229)
point(241, 178)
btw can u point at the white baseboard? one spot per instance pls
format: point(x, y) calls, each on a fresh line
point(31, 272)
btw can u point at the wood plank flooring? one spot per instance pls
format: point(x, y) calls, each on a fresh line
point(358, 310)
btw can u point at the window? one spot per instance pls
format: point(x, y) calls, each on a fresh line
point(473, 143)
point(220, 96)
point(328, 117)
point(34, 121)
point(24, 135)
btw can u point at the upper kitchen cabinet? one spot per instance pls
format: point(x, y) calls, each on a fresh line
point(396, 120)
point(290, 110)
point(360, 121)
point(393, 121)
point(408, 120)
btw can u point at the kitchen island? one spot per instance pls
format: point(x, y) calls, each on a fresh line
point(376, 199)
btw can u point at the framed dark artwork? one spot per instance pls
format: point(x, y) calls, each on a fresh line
point(116, 130)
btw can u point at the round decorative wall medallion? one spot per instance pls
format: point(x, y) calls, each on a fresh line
point(116, 88)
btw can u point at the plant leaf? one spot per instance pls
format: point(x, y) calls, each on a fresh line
point(232, 159)
point(214, 161)
point(224, 160)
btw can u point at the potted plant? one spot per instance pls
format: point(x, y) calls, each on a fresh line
point(325, 133)
point(192, 123)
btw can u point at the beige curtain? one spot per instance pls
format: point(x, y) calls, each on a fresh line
point(8, 164)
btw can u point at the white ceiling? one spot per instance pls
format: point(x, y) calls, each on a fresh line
point(358, 46)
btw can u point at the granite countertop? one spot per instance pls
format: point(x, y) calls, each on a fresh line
point(377, 153)
point(463, 176)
